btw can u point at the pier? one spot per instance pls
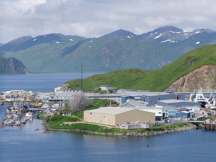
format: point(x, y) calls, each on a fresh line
point(210, 127)
point(197, 123)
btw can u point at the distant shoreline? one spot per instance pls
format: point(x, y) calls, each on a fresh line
point(29, 73)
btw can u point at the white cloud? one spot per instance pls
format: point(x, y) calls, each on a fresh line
point(98, 17)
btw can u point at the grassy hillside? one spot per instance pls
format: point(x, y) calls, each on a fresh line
point(154, 80)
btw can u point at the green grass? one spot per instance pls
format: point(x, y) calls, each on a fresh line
point(103, 129)
point(153, 80)
point(87, 127)
point(56, 120)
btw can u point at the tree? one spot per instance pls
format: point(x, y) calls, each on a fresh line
point(78, 102)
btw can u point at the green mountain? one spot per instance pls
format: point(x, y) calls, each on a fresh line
point(59, 53)
point(118, 50)
point(153, 80)
point(11, 66)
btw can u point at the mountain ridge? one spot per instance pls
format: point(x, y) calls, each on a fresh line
point(120, 49)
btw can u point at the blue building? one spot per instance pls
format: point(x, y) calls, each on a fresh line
point(170, 113)
point(183, 114)
point(175, 113)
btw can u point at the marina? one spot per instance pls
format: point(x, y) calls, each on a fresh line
point(16, 116)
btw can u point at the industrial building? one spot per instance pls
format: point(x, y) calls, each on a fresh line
point(133, 103)
point(114, 97)
point(157, 110)
point(177, 103)
point(117, 115)
point(151, 98)
point(174, 113)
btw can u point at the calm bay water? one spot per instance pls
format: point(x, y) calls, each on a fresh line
point(26, 144)
point(38, 82)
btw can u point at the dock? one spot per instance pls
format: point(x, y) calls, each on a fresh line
point(197, 123)
point(210, 126)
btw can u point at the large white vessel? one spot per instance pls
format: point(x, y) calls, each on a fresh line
point(200, 98)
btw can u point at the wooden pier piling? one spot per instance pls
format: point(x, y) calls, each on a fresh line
point(210, 127)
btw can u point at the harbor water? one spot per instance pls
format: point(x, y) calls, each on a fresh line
point(30, 143)
point(38, 82)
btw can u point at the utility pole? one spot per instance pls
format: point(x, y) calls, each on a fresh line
point(81, 77)
point(94, 88)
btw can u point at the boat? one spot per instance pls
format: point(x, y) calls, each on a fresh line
point(45, 106)
point(199, 97)
point(28, 116)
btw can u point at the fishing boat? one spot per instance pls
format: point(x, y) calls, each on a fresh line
point(29, 116)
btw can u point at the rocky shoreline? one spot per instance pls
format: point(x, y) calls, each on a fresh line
point(129, 134)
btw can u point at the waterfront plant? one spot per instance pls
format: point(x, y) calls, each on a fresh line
point(78, 102)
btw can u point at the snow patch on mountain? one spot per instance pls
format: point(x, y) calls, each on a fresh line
point(198, 42)
point(71, 39)
point(34, 39)
point(168, 40)
point(158, 36)
point(57, 42)
point(175, 32)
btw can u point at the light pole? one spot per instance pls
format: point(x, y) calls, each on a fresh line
point(81, 77)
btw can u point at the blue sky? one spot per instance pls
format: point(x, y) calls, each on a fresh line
point(94, 18)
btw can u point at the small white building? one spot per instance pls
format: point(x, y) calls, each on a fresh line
point(133, 126)
point(105, 87)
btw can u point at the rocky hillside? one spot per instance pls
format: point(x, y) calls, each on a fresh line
point(12, 66)
point(118, 50)
point(204, 77)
